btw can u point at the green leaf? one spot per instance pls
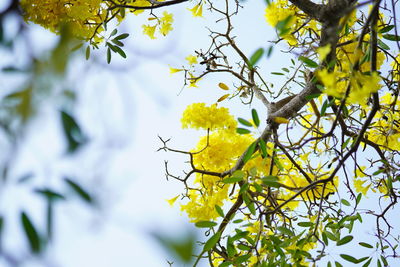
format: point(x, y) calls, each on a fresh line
point(391, 37)
point(212, 241)
point(241, 259)
point(220, 211)
point(48, 193)
point(277, 73)
point(232, 180)
point(114, 32)
point(82, 193)
point(87, 52)
point(271, 181)
point(1, 230)
point(245, 122)
point(325, 238)
point(205, 224)
point(243, 247)
point(77, 47)
point(324, 107)
point(182, 246)
point(242, 131)
point(312, 96)
point(305, 224)
point(383, 45)
point(386, 29)
point(308, 62)
point(225, 264)
point(249, 204)
point(344, 240)
point(283, 26)
point(331, 236)
point(116, 49)
point(337, 264)
point(244, 188)
point(72, 131)
point(121, 36)
point(366, 245)
point(285, 231)
point(367, 263)
point(358, 198)
point(345, 202)
point(108, 55)
point(117, 42)
point(349, 258)
point(256, 57)
point(383, 259)
point(269, 51)
point(263, 148)
point(31, 233)
point(362, 259)
point(249, 152)
point(255, 117)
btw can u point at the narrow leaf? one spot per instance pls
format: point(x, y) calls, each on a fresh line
point(245, 122)
point(256, 57)
point(242, 131)
point(31, 233)
point(345, 202)
point(79, 190)
point(249, 152)
point(87, 52)
point(344, 240)
point(205, 224)
point(308, 62)
point(349, 258)
point(255, 117)
point(219, 211)
point(212, 241)
point(122, 36)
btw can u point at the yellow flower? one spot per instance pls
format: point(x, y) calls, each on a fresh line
point(193, 80)
point(191, 59)
point(174, 70)
point(197, 10)
point(53, 14)
point(198, 115)
point(149, 30)
point(172, 200)
point(166, 23)
point(359, 186)
point(323, 51)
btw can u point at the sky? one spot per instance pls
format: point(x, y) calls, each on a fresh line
point(123, 108)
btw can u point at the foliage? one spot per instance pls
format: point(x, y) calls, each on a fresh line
point(284, 186)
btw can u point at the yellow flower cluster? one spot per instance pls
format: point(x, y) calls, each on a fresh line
point(198, 115)
point(82, 16)
point(85, 17)
point(163, 25)
point(280, 10)
point(348, 55)
point(362, 85)
point(386, 130)
point(219, 152)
